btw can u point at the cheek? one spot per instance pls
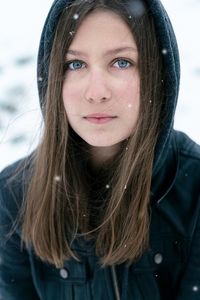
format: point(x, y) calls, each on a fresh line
point(129, 92)
point(70, 97)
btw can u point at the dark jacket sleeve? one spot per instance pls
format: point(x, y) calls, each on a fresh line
point(190, 285)
point(15, 272)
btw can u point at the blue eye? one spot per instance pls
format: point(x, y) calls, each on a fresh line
point(74, 65)
point(123, 63)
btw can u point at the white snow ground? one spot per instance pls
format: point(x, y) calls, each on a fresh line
point(20, 28)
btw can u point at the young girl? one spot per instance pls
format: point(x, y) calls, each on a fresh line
point(107, 206)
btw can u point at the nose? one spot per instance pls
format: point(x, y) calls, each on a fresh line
point(98, 89)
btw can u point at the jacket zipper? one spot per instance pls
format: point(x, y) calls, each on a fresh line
point(114, 278)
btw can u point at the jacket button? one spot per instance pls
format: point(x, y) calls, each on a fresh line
point(64, 273)
point(158, 258)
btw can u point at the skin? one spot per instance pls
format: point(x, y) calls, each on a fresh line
point(98, 81)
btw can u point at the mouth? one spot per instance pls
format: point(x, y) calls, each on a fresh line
point(100, 120)
point(99, 116)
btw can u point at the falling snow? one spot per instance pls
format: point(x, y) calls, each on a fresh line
point(20, 114)
point(137, 8)
point(71, 32)
point(57, 178)
point(195, 288)
point(164, 51)
point(40, 78)
point(75, 16)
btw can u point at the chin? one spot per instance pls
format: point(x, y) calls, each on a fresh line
point(98, 144)
point(102, 143)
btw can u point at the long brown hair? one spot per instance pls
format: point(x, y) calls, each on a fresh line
point(63, 200)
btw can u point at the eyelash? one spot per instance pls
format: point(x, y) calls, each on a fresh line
point(67, 63)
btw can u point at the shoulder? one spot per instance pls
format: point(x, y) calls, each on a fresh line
point(188, 170)
point(188, 157)
point(14, 173)
point(186, 146)
point(179, 197)
point(13, 182)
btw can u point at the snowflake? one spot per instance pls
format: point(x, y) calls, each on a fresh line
point(75, 16)
point(57, 178)
point(164, 51)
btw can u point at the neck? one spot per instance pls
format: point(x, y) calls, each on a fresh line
point(101, 157)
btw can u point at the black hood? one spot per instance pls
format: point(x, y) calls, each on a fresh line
point(167, 41)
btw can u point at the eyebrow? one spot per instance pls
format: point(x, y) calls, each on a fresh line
point(107, 53)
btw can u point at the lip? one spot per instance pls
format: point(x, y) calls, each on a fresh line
point(98, 118)
point(98, 115)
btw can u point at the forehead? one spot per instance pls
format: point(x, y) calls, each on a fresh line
point(103, 28)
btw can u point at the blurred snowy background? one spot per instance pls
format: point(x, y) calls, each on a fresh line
point(21, 23)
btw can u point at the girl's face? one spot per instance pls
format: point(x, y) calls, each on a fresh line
point(102, 77)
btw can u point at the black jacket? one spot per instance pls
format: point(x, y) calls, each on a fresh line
point(170, 269)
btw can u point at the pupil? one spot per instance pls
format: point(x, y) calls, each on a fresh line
point(122, 63)
point(77, 65)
